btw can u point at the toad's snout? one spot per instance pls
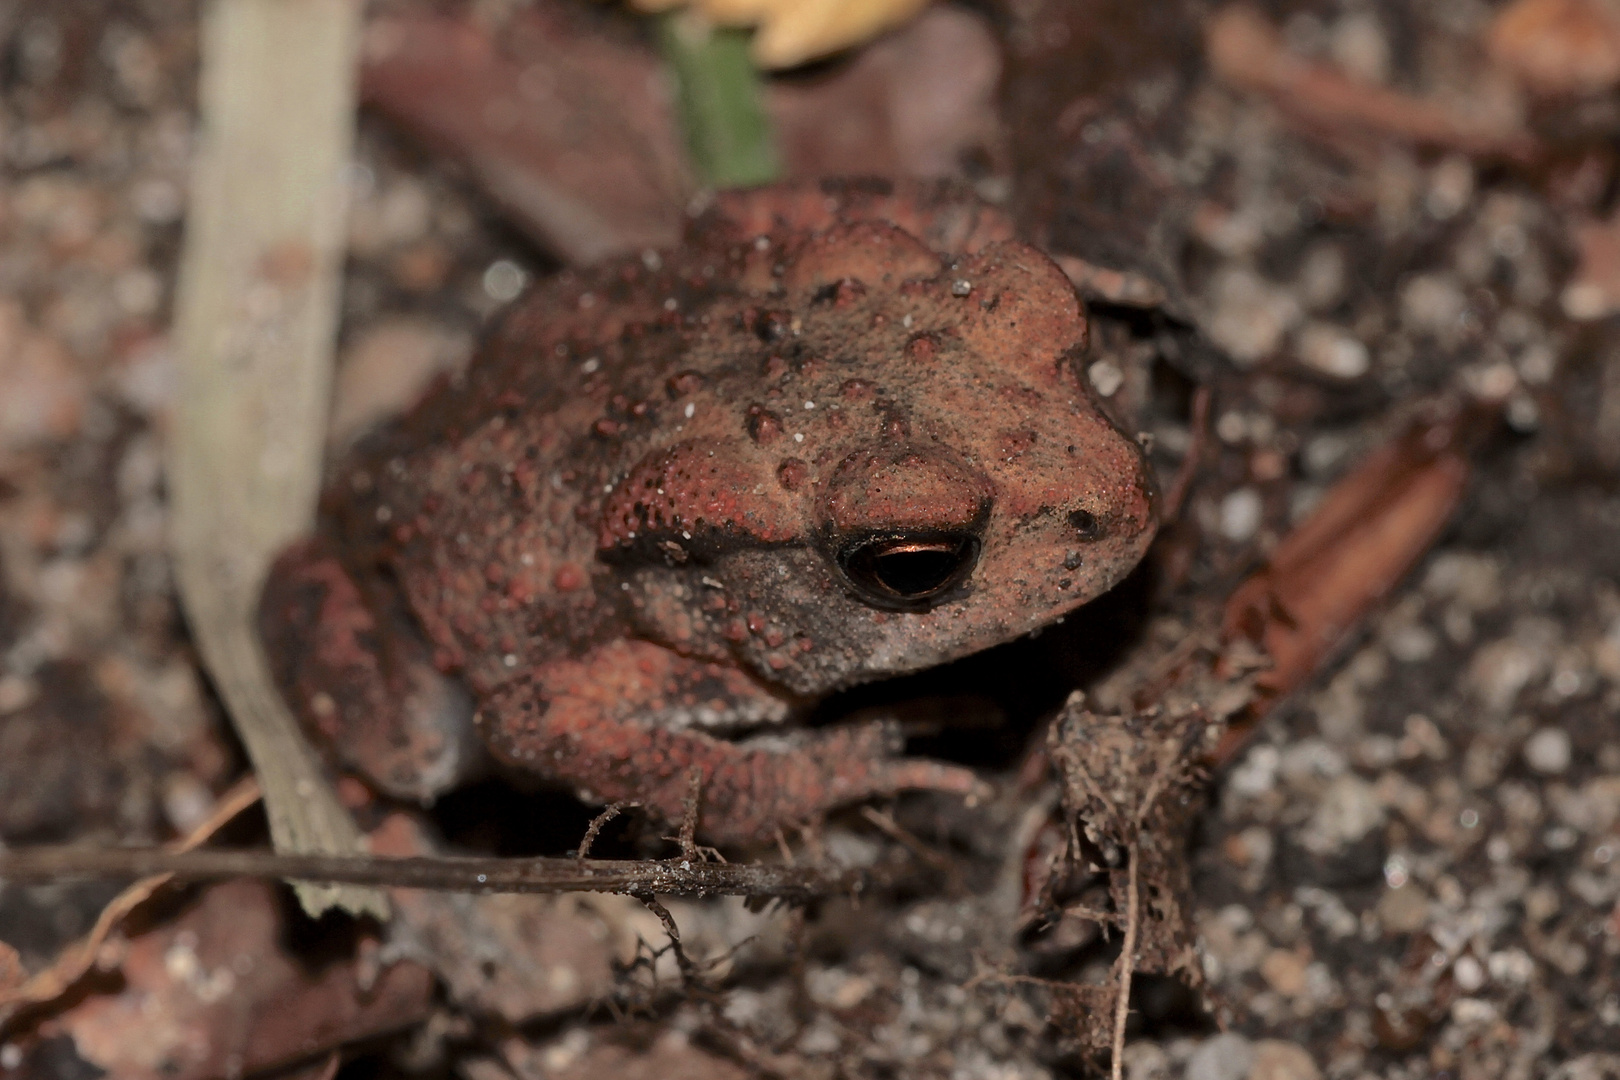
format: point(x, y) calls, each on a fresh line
point(904, 524)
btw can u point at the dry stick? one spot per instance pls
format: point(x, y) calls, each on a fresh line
point(900, 835)
point(688, 969)
point(1127, 965)
point(594, 829)
point(1188, 470)
point(641, 878)
point(255, 325)
point(690, 808)
point(1133, 919)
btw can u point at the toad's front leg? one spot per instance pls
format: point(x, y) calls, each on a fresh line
point(621, 724)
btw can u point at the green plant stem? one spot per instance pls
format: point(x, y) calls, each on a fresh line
point(720, 98)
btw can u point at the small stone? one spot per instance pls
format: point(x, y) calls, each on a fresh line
point(1548, 751)
point(1473, 581)
point(1146, 1061)
point(1250, 849)
point(1276, 1059)
point(400, 214)
point(1322, 277)
point(1404, 910)
point(1433, 304)
point(1284, 972)
point(1360, 48)
point(1228, 1056)
point(1500, 669)
point(1250, 315)
point(1451, 186)
point(1412, 644)
point(1469, 974)
point(1256, 774)
point(1106, 378)
point(1331, 351)
point(1349, 810)
point(1594, 808)
point(1240, 515)
point(1307, 765)
point(1472, 1012)
point(504, 280)
point(16, 693)
point(1511, 966)
point(44, 390)
point(1558, 47)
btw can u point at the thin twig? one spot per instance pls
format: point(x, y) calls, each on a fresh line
point(893, 830)
point(664, 877)
point(1133, 911)
point(690, 808)
point(1104, 919)
point(594, 829)
point(1127, 963)
point(682, 961)
point(1187, 471)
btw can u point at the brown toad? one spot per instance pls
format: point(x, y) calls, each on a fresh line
point(841, 434)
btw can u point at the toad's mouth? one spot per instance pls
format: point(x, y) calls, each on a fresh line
point(908, 571)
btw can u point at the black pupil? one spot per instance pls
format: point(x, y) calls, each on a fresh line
point(914, 573)
point(907, 570)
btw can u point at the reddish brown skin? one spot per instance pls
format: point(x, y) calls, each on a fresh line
point(623, 533)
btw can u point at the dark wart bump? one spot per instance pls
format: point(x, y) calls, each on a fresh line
point(1086, 525)
point(792, 474)
point(764, 426)
point(922, 348)
point(684, 382)
point(770, 326)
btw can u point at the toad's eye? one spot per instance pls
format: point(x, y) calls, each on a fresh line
point(908, 572)
point(1085, 525)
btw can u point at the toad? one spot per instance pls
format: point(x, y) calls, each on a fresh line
point(842, 433)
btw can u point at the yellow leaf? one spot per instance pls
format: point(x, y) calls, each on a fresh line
point(791, 32)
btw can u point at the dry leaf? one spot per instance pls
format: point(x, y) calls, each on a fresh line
point(217, 993)
point(566, 129)
point(1247, 51)
point(1557, 47)
point(75, 961)
point(1593, 291)
point(791, 32)
point(1130, 781)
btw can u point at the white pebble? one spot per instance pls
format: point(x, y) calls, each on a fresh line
point(1326, 348)
point(1275, 1059)
point(1228, 1056)
point(1548, 751)
point(504, 280)
point(1432, 303)
point(1250, 315)
point(1348, 811)
point(1240, 514)
point(1106, 378)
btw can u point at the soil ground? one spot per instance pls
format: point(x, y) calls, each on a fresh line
point(1411, 871)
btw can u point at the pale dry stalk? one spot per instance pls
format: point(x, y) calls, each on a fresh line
point(255, 327)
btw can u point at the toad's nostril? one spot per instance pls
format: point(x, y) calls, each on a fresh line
point(908, 572)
